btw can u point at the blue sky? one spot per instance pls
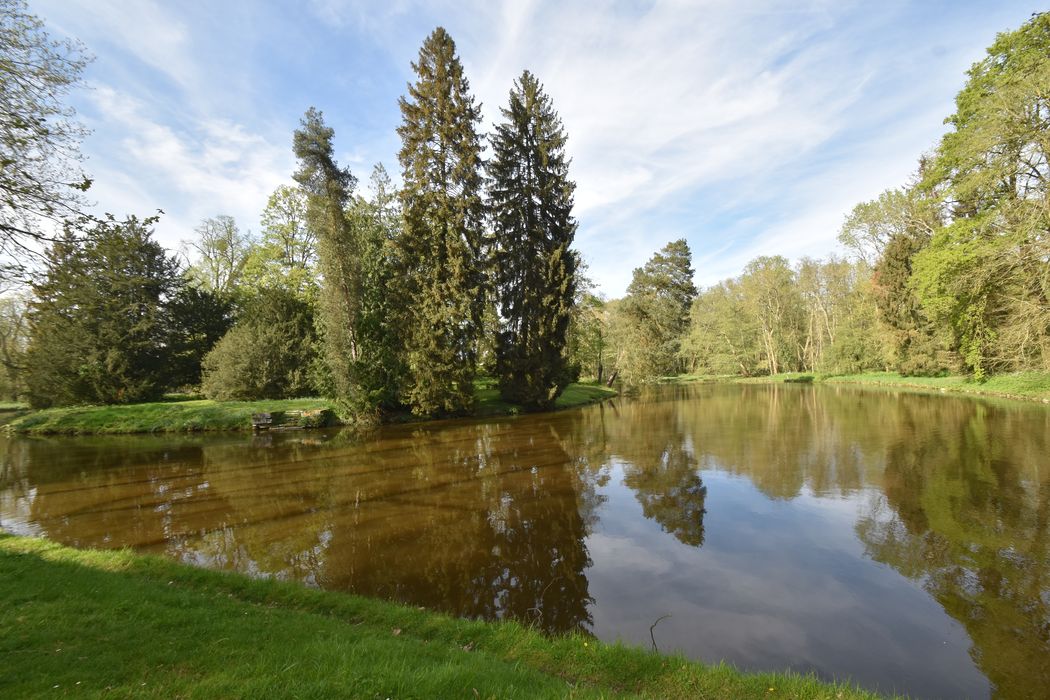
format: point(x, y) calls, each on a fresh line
point(747, 127)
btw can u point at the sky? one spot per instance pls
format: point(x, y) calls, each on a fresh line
point(747, 127)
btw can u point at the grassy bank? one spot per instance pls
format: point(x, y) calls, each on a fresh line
point(94, 624)
point(204, 415)
point(1032, 386)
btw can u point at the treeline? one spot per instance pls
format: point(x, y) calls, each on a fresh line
point(950, 274)
point(398, 298)
point(387, 302)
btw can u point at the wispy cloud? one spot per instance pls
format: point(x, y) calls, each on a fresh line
point(749, 128)
point(215, 166)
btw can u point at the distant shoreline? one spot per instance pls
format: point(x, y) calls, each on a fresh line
point(1024, 386)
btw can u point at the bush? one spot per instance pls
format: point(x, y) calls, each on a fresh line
point(268, 354)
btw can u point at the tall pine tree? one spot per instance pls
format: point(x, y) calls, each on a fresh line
point(329, 189)
point(439, 248)
point(533, 267)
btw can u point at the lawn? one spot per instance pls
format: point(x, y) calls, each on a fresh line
point(116, 624)
point(195, 415)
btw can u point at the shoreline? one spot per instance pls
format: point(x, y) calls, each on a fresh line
point(1032, 387)
point(203, 415)
point(118, 623)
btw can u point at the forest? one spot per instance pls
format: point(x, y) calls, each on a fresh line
point(400, 297)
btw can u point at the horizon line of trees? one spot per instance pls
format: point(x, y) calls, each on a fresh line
point(400, 299)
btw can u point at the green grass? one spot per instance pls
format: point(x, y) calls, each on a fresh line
point(162, 416)
point(7, 406)
point(116, 624)
point(1021, 385)
point(179, 416)
point(489, 402)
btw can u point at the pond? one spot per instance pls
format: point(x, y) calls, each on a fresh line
point(897, 540)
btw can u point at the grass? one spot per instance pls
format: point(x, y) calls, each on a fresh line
point(158, 417)
point(116, 624)
point(179, 416)
point(1033, 386)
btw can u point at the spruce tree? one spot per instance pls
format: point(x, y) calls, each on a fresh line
point(329, 189)
point(439, 247)
point(533, 267)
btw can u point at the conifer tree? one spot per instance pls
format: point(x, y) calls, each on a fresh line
point(439, 248)
point(533, 267)
point(100, 323)
point(329, 189)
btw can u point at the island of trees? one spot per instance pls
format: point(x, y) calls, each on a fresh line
point(390, 299)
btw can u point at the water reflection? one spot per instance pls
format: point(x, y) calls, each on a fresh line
point(896, 539)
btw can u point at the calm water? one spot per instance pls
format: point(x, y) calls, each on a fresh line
point(898, 540)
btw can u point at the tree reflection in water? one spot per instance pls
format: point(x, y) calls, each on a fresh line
point(491, 518)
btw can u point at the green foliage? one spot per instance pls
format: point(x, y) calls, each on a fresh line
point(199, 318)
point(267, 354)
point(986, 275)
point(221, 253)
point(41, 183)
point(286, 254)
point(648, 324)
point(380, 366)
point(439, 250)
point(99, 322)
point(817, 316)
point(722, 337)
point(588, 336)
point(534, 269)
point(14, 339)
point(329, 191)
point(915, 344)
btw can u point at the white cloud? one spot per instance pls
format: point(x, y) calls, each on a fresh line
point(216, 166)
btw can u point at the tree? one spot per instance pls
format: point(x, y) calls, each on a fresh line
point(329, 191)
point(915, 343)
point(98, 323)
point(651, 320)
point(723, 337)
point(588, 336)
point(267, 354)
point(286, 255)
point(14, 337)
point(986, 274)
point(41, 183)
point(380, 369)
point(768, 285)
point(534, 268)
point(198, 318)
point(222, 252)
point(439, 250)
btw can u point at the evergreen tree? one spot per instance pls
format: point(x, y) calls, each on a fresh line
point(533, 267)
point(439, 249)
point(99, 323)
point(268, 352)
point(650, 322)
point(329, 189)
point(378, 221)
point(916, 347)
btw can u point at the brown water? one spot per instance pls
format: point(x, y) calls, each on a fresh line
point(898, 540)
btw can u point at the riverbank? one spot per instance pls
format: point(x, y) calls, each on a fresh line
point(1026, 386)
point(118, 624)
point(200, 415)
